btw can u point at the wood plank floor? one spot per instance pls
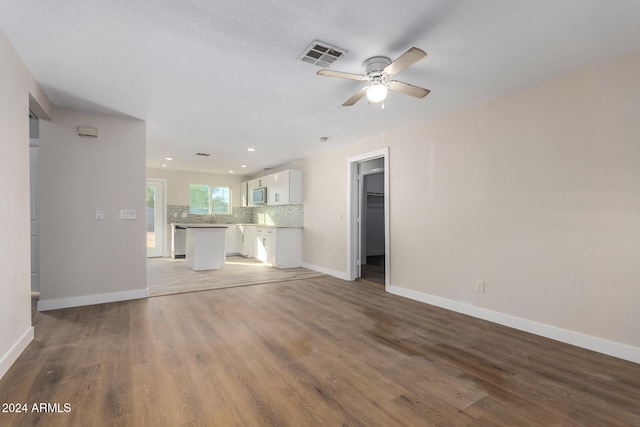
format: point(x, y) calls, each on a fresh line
point(166, 276)
point(373, 270)
point(313, 352)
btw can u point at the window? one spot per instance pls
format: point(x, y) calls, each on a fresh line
point(209, 200)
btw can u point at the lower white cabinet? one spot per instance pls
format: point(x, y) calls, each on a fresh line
point(246, 240)
point(279, 246)
point(231, 241)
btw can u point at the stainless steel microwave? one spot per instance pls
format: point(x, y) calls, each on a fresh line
point(259, 196)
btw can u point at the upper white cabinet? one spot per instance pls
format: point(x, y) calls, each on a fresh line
point(252, 185)
point(283, 188)
point(286, 188)
point(245, 193)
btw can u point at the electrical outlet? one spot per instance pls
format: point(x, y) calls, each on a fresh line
point(480, 287)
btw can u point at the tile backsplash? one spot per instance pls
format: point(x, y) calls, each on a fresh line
point(284, 216)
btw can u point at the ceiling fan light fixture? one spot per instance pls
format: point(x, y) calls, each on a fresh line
point(377, 92)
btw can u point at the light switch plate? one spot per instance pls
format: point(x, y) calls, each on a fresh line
point(127, 214)
point(99, 215)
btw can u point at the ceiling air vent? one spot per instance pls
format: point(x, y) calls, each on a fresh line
point(321, 54)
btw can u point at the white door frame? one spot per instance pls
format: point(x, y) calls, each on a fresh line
point(163, 211)
point(354, 190)
point(34, 147)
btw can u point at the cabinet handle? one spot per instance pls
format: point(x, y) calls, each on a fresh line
point(277, 197)
point(264, 241)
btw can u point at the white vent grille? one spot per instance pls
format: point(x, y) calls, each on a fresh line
point(321, 54)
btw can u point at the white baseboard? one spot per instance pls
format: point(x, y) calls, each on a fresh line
point(589, 342)
point(54, 304)
point(335, 273)
point(15, 351)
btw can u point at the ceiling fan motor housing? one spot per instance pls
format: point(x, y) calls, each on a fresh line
point(374, 66)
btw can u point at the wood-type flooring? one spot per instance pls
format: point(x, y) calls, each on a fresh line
point(312, 352)
point(167, 276)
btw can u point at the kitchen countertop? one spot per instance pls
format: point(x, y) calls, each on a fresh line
point(272, 226)
point(220, 225)
point(198, 225)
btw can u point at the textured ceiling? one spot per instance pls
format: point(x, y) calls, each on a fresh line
point(220, 76)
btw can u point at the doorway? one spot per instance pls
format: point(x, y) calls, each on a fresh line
point(372, 252)
point(155, 217)
point(368, 213)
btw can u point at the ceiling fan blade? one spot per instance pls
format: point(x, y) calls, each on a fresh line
point(405, 61)
point(356, 97)
point(408, 89)
point(341, 74)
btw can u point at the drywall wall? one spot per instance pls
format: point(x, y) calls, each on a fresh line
point(84, 260)
point(535, 193)
point(18, 93)
point(178, 190)
point(178, 184)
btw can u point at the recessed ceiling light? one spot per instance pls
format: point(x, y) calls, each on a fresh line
point(168, 158)
point(164, 166)
point(251, 149)
point(230, 171)
point(243, 166)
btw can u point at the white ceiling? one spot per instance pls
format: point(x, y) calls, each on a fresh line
point(221, 76)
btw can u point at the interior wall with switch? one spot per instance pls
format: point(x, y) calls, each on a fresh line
point(535, 194)
point(17, 86)
point(92, 208)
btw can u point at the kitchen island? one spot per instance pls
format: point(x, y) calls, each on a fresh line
point(205, 245)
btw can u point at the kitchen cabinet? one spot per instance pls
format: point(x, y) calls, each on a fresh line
point(252, 185)
point(245, 193)
point(205, 246)
point(285, 188)
point(246, 240)
point(231, 240)
point(279, 246)
point(266, 245)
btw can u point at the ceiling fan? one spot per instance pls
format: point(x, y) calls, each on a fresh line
point(377, 70)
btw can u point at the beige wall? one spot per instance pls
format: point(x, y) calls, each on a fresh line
point(178, 184)
point(82, 260)
point(536, 193)
point(17, 87)
point(178, 191)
